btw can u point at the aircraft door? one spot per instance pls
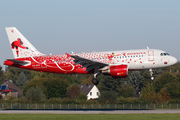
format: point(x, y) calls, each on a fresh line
point(150, 55)
point(43, 64)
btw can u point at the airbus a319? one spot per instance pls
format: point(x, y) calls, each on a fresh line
point(113, 63)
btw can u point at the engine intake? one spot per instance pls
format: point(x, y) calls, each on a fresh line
point(117, 71)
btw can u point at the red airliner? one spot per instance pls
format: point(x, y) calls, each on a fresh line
point(113, 63)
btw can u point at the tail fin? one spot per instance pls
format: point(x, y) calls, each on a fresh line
point(20, 46)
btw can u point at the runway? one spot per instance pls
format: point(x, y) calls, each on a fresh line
point(90, 111)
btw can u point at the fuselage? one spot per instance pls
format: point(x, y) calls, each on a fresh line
point(64, 63)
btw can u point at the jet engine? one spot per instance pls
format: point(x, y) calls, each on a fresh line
point(118, 71)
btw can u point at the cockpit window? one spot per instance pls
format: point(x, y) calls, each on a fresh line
point(164, 54)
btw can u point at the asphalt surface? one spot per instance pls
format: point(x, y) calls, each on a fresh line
point(90, 111)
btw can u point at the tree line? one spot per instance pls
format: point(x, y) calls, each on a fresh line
point(41, 87)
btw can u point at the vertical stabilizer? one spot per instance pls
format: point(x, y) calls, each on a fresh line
point(20, 46)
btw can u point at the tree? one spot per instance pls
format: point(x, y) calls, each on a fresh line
point(87, 80)
point(36, 82)
point(165, 95)
point(35, 95)
point(73, 91)
point(163, 79)
point(12, 73)
point(1, 75)
point(22, 80)
point(146, 78)
point(148, 94)
point(109, 84)
point(136, 79)
point(56, 87)
point(126, 91)
point(107, 97)
point(52, 87)
point(173, 88)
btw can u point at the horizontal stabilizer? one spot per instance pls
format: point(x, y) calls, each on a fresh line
point(18, 61)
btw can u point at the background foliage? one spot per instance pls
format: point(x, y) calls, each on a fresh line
point(62, 88)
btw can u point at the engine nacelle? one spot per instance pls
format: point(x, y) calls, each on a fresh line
point(118, 71)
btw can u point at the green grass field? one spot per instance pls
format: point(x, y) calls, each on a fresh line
point(89, 116)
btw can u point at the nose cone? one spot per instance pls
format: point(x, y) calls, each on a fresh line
point(173, 60)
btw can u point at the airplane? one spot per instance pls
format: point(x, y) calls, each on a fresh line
point(114, 63)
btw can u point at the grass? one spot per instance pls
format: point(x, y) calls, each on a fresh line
point(89, 116)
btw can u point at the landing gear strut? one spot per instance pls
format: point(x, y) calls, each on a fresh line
point(95, 81)
point(151, 74)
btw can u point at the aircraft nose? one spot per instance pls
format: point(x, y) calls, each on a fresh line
point(173, 60)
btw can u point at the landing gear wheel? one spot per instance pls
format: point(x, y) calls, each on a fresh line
point(95, 81)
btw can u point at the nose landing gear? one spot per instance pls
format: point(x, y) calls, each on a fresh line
point(151, 74)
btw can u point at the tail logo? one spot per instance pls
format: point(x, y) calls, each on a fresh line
point(17, 44)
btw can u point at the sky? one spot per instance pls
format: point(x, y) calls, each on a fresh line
point(62, 26)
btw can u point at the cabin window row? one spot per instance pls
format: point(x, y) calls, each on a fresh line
point(118, 57)
point(102, 58)
point(62, 61)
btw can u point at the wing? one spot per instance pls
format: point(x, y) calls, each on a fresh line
point(90, 64)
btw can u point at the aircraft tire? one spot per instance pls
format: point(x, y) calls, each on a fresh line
point(95, 81)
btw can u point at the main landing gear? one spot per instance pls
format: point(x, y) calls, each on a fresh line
point(95, 81)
